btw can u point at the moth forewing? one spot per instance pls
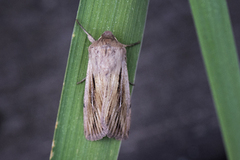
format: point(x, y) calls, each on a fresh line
point(107, 96)
point(92, 113)
point(119, 120)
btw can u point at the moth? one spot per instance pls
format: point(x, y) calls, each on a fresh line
point(107, 110)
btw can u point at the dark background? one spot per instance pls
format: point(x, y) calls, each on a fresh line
point(173, 116)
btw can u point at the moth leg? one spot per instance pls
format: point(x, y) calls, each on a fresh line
point(81, 80)
point(130, 45)
point(90, 38)
point(132, 84)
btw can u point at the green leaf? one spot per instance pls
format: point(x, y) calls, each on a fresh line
point(126, 19)
point(221, 61)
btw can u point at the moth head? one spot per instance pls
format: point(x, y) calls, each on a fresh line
point(108, 35)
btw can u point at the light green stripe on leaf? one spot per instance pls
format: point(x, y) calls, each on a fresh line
point(221, 61)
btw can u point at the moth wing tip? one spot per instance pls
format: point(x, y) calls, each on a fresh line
point(118, 137)
point(94, 137)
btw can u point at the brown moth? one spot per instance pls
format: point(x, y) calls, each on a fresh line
point(107, 96)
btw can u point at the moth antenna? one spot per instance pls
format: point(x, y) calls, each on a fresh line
point(90, 38)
